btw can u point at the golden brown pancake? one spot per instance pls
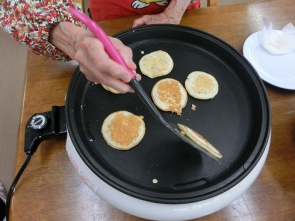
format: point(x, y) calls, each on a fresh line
point(169, 95)
point(123, 130)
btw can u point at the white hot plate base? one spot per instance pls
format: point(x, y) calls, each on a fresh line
point(157, 211)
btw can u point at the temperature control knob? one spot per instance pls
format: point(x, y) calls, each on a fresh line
point(38, 121)
point(44, 125)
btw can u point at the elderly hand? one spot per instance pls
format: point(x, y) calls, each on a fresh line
point(95, 63)
point(162, 18)
point(98, 67)
point(171, 15)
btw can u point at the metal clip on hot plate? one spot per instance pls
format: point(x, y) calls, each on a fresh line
point(42, 126)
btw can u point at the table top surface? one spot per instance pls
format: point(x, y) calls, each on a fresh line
point(51, 189)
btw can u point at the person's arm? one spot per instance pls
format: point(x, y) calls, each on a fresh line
point(49, 30)
point(30, 21)
point(171, 15)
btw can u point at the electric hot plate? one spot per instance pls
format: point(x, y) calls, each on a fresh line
point(236, 122)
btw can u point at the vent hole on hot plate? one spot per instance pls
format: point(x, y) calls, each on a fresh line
point(190, 185)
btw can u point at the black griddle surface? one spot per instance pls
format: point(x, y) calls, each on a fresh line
point(236, 121)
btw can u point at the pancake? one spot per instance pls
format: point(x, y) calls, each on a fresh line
point(110, 89)
point(123, 130)
point(169, 95)
point(200, 140)
point(201, 85)
point(156, 64)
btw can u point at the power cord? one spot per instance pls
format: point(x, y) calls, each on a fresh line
point(39, 127)
point(12, 187)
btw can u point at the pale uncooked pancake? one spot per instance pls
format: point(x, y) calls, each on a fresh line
point(200, 140)
point(169, 95)
point(156, 64)
point(201, 85)
point(110, 89)
point(114, 91)
point(123, 130)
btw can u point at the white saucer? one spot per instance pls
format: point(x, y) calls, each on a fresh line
point(278, 70)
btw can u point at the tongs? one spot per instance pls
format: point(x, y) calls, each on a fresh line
point(113, 53)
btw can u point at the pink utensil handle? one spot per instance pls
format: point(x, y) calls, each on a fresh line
point(101, 35)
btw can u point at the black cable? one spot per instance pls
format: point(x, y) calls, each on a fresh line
point(12, 187)
point(56, 125)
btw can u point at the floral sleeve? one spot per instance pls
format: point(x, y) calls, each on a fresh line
point(29, 22)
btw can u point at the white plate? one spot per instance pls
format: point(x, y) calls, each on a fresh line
point(278, 70)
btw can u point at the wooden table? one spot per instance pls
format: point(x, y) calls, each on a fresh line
point(50, 188)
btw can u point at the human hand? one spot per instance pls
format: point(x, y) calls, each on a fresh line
point(171, 15)
point(82, 46)
point(98, 67)
point(162, 18)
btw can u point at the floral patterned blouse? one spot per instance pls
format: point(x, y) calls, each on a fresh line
point(29, 22)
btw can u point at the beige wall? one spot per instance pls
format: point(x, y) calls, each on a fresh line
point(12, 72)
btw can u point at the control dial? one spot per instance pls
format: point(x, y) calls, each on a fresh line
point(38, 121)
